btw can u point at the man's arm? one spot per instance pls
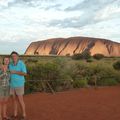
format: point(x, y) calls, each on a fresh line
point(18, 72)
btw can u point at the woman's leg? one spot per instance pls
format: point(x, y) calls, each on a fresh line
point(5, 101)
point(0, 108)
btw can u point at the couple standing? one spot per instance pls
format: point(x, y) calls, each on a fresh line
point(12, 83)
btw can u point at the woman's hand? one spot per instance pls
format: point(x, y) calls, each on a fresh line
point(13, 72)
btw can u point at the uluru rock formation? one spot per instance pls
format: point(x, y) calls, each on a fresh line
point(73, 45)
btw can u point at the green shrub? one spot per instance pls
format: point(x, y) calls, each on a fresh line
point(84, 55)
point(116, 65)
point(65, 73)
point(89, 60)
point(80, 83)
point(79, 71)
point(107, 82)
point(103, 75)
point(77, 56)
point(98, 56)
point(31, 60)
point(55, 72)
point(33, 86)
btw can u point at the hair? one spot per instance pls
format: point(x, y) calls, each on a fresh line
point(14, 52)
point(4, 59)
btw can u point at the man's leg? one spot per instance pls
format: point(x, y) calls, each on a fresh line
point(22, 104)
point(14, 99)
point(15, 105)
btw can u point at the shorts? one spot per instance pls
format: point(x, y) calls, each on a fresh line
point(5, 91)
point(17, 91)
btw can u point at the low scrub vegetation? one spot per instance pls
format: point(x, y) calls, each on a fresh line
point(64, 73)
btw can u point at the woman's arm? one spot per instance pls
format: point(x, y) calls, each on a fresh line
point(1, 69)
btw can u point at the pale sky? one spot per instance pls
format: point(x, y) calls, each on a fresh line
point(25, 21)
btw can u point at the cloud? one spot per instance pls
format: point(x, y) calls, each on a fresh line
point(27, 3)
point(108, 12)
point(93, 12)
point(23, 21)
point(90, 5)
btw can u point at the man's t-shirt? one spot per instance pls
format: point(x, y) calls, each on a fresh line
point(15, 79)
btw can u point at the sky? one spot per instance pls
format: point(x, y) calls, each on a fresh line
point(26, 21)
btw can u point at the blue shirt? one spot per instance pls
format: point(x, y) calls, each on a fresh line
point(15, 79)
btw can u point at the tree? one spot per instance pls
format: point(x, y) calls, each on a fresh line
point(83, 55)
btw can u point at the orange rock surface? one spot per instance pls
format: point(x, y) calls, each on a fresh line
point(72, 45)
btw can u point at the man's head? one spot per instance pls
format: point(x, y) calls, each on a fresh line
point(15, 56)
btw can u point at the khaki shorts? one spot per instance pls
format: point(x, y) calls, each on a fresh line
point(17, 91)
point(4, 91)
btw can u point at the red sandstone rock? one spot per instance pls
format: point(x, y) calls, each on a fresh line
point(72, 45)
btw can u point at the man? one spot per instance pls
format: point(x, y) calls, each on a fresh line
point(18, 71)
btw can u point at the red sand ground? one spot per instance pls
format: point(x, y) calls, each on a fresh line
point(80, 104)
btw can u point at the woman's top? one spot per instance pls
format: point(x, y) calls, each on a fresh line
point(4, 78)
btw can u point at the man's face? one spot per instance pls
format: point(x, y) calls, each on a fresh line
point(15, 57)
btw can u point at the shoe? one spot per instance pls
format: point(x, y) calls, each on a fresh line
point(14, 118)
point(23, 118)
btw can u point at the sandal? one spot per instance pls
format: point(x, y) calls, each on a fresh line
point(14, 117)
point(23, 118)
point(6, 118)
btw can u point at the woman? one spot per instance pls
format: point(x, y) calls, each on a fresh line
point(4, 88)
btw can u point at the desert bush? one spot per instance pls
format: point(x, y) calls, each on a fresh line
point(51, 71)
point(103, 75)
point(89, 60)
point(116, 65)
point(31, 61)
point(80, 83)
point(84, 55)
point(107, 82)
point(33, 86)
point(98, 56)
point(79, 70)
point(65, 73)
point(77, 56)
point(47, 71)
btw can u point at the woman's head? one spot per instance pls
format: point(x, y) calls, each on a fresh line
point(6, 60)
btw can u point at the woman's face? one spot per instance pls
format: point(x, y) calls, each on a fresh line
point(6, 61)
